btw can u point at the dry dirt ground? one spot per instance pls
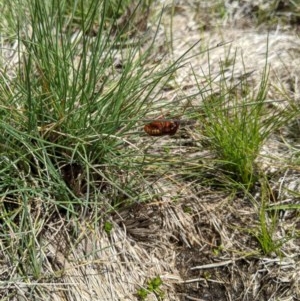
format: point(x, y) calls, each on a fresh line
point(195, 236)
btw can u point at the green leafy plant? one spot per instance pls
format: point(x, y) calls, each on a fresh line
point(108, 226)
point(153, 286)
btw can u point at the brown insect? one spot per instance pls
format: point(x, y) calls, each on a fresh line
point(162, 127)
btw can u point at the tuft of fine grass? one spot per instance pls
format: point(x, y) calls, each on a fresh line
point(237, 121)
point(68, 106)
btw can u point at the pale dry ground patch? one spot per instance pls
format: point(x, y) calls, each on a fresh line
point(194, 236)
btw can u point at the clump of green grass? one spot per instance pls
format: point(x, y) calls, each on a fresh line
point(265, 233)
point(267, 224)
point(66, 115)
point(237, 122)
